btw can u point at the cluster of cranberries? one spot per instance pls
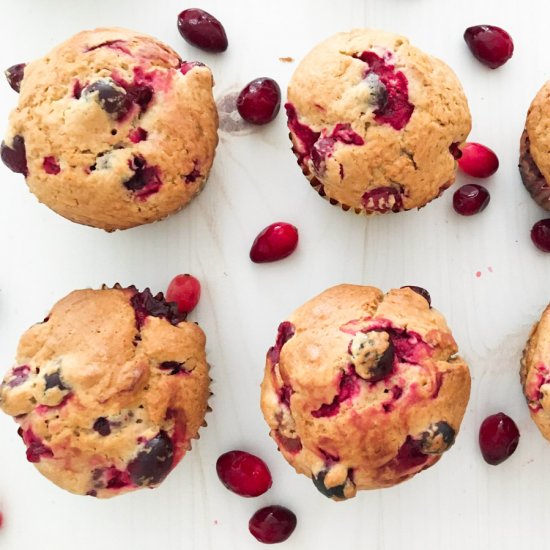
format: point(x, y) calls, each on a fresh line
point(248, 476)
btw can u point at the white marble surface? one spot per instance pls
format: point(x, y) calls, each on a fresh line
point(461, 503)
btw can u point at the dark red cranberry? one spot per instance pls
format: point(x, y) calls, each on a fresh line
point(117, 479)
point(498, 438)
point(390, 91)
point(53, 380)
point(36, 448)
point(146, 179)
point(438, 438)
point(14, 75)
point(51, 166)
point(112, 98)
point(145, 304)
point(102, 426)
point(272, 524)
point(454, 149)
point(275, 242)
point(201, 29)
point(383, 199)
point(243, 473)
point(154, 463)
point(477, 160)
point(348, 388)
point(470, 199)
point(336, 492)
point(409, 456)
point(540, 235)
point(285, 332)
point(186, 66)
point(260, 101)
point(15, 157)
point(185, 291)
point(173, 366)
point(491, 45)
point(422, 291)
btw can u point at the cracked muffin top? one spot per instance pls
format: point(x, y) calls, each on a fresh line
point(375, 122)
point(112, 129)
point(108, 391)
point(362, 389)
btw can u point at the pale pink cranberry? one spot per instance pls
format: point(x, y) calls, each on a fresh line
point(185, 291)
point(470, 199)
point(272, 524)
point(14, 76)
point(201, 29)
point(243, 473)
point(259, 101)
point(491, 45)
point(540, 235)
point(275, 242)
point(478, 160)
point(498, 438)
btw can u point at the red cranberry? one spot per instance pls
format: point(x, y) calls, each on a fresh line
point(275, 242)
point(272, 524)
point(113, 99)
point(243, 473)
point(185, 291)
point(491, 45)
point(422, 291)
point(51, 166)
point(154, 462)
point(203, 30)
point(477, 160)
point(14, 76)
point(498, 438)
point(15, 157)
point(540, 235)
point(260, 101)
point(470, 199)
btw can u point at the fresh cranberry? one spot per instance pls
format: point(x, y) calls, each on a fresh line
point(540, 235)
point(498, 438)
point(154, 463)
point(491, 45)
point(185, 291)
point(422, 291)
point(260, 101)
point(201, 29)
point(14, 75)
point(477, 160)
point(15, 157)
point(272, 524)
point(275, 242)
point(243, 473)
point(470, 199)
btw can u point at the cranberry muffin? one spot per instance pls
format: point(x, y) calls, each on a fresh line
point(108, 391)
point(375, 122)
point(534, 157)
point(113, 130)
point(363, 390)
point(535, 373)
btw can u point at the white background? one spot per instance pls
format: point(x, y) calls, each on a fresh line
point(461, 503)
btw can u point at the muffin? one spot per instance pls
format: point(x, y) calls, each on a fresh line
point(362, 390)
point(535, 373)
point(534, 157)
point(112, 129)
point(108, 391)
point(375, 122)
